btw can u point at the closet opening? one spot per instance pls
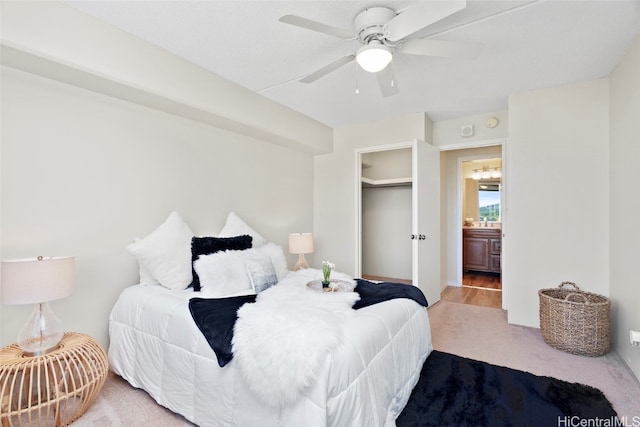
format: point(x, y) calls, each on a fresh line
point(386, 215)
point(398, 215)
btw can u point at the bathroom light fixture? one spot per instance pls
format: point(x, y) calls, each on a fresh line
point(486, 173)
point(301, 243)
point(374, 56)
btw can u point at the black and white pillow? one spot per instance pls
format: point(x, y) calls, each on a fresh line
point(226, 273)
point(261, 273)
point(210, 245)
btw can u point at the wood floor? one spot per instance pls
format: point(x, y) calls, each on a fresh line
point(482, 280)
point(484, 289)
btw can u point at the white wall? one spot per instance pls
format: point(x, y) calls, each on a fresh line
point(557, 172)
point(388, 164)
point(54, 40)
point(386, 227)
point(624, 86)
point(334, 198)
point(83, 174)
point(446, 133)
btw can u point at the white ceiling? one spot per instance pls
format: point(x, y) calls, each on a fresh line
point(538, 44)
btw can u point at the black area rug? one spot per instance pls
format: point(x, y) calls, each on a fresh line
point(456, 391)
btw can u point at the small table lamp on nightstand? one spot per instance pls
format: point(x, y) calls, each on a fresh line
point(37, 281)
point(300, 243)
point(49, 378)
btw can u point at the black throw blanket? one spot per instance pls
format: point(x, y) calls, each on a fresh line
point(454, 391)
point(373, 293)
point(216, 317)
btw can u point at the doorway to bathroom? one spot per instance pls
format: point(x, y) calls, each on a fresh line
point(475, 192)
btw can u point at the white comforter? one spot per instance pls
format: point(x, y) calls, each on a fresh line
point(366, 381)
point(280, 343)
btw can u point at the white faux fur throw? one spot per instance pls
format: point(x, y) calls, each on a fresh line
point(281, 341)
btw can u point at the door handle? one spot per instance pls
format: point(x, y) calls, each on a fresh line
point(413, 237)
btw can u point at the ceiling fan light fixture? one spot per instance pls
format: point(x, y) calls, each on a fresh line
point(374, 56)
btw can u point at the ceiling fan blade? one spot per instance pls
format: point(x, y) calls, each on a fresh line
point(299, 21)
point(328, 69)
point(387, 81)
point(444, 48)
point(419, 16)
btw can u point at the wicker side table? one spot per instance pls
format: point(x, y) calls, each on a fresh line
point(53, 389)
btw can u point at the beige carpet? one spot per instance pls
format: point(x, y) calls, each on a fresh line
point(483, 333)
point(476, 332)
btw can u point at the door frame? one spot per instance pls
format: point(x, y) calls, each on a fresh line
point(358, 190)
point(503, 201)
point(459, 214)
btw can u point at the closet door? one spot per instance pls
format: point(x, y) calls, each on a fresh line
point(426, 220)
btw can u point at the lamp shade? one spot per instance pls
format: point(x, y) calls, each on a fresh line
point(300, 243)
point(36, 280)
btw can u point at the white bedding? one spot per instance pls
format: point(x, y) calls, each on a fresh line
point(155, 345)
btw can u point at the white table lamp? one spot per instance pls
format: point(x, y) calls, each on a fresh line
point(300, 243)
point(37, 281)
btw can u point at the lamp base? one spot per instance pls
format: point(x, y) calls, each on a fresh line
point(302, 263)
point(42, 332)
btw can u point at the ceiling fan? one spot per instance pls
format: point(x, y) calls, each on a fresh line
point(383, 32)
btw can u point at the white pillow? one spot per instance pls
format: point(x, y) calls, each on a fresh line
point(222, 273)
point(166, 253)
point(228, 272)
point(278, 258)
point(146, 278)
point(235, 226)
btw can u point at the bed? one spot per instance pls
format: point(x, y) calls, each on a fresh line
point(363, 379)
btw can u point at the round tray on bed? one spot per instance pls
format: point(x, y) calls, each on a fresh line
point(334, 286)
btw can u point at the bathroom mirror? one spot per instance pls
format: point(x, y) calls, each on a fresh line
point(482, 194)
point(489, 199)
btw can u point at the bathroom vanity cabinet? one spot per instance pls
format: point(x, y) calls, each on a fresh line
point(481, 248)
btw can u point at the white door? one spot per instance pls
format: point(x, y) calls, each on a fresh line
point(426, 220)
